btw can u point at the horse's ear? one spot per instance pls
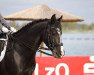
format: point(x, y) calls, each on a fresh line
point(53, 18)
point(60, 19)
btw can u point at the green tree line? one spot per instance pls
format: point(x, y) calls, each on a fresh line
point(80, 27)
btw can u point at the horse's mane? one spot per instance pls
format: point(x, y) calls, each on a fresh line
point(28, 25)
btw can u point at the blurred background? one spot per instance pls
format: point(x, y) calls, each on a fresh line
point(77, 37)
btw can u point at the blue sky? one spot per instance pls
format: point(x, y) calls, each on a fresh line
point(83, 8)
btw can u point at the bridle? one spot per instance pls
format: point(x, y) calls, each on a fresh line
point(51, 42)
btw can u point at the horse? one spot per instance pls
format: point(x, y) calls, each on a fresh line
point(22, 46)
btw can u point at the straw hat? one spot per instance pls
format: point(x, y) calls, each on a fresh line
point(42, 12)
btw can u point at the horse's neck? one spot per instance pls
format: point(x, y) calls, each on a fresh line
point(35, 36)
point(32, 36)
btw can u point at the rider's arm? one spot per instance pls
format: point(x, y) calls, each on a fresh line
point(3, 22)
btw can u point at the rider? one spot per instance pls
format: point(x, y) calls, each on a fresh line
point(6, 27)
point(5, 30)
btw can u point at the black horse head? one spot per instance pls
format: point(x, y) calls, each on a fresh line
point(52, 36)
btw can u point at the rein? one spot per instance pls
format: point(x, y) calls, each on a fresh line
point(44, 51)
